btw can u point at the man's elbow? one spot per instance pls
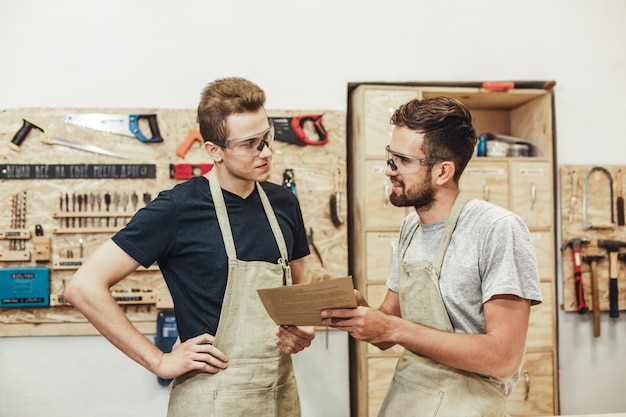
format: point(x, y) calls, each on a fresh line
point(73, 291)
point(506, 369)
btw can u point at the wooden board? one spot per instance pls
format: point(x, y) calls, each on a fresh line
point(598, 209)
point(314, 168)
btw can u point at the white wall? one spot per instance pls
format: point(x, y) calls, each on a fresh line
point(158, 53)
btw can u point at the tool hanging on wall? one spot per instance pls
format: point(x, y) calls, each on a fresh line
point(309, 238)
point(192, 136)
point(593, 260)
point(290, 184)
point(50, 139)
point(575, 243)
point(586, 223)
point(17, 234)
point(300, 130)
point(335, 199)
point(574, 197)
point(120, 124)
point(41, 245)
point(289, 180)
point(21, 134)
point(297, 130)
point(53, 140)
point(612, 247)
point(18, 220)
point(620, 199)
point(186, 171)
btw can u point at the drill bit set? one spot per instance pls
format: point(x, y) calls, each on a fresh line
point(17, 235)
point(96, 212)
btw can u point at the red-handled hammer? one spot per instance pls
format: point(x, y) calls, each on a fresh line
point(575, 243)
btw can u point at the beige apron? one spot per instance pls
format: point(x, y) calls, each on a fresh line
point(421, 386)
point(259, 380)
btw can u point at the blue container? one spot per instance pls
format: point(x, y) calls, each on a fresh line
point(481, 148)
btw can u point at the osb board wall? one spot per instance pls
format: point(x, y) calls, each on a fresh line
point(598, 204)
point(314, 171)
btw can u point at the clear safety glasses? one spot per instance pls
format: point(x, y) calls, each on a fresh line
point(252, 145)
point(406, 164)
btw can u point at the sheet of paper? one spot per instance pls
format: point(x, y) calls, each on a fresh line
point(301, 305)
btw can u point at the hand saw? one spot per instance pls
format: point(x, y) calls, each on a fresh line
point(294, 129)
point(121, 124)
point(50, 139)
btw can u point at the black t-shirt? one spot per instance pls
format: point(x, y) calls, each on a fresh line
point(179, 231)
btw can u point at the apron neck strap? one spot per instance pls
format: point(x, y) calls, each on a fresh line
point(224, 222)
point(453, 217)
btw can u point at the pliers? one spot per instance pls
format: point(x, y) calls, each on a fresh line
point(309, 238)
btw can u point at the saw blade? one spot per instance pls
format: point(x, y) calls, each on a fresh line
point(110, 123)
point(81, 146)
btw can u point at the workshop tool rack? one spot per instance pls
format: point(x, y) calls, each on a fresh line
point(591, 216)
point(56, 221)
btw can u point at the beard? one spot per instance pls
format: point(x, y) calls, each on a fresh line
point(420, 196)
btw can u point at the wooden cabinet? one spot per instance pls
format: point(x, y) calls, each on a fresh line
point(524, 185)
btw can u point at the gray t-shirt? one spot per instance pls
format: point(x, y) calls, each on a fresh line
point(491, 252)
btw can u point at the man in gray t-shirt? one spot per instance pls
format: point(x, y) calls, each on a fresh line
point(463, 279)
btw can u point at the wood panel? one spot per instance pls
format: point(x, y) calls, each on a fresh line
point(380, 105)
point(534, 394)
point(488, 180)
point(598, 208)
point(314, 168)
point(380, 214)
point(380, 373)
point(541, 327)
point(532, 193)
point(544, 242)
point(381, 247)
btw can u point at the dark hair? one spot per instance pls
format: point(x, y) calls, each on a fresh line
point(447, 126)
point(224, 97)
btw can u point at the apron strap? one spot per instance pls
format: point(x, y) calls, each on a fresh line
point(278, 234)
point(455, 213)
point(227, 234)
point(222, 215)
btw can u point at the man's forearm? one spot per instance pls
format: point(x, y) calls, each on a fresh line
point(479, 353)
point(109, 319)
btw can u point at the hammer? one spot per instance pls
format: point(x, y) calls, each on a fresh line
point(575, 243)
point(612, 246)
point(593, 260)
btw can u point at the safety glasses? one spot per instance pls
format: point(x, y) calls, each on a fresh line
point(251, 145)
point(406, 164)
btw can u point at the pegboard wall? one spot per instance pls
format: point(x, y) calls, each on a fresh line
point(61, 203)
point(591, 214)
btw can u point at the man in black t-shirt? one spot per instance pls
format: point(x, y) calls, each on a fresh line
point(217, 239)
